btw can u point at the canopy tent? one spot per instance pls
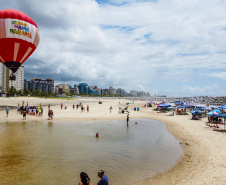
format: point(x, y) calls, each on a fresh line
point(222, 116)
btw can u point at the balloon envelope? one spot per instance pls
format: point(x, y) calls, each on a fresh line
point(19, 37)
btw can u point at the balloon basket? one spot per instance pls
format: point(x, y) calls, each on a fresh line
point(12, 77)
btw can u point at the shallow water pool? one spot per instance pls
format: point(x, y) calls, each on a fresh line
point(56, 152)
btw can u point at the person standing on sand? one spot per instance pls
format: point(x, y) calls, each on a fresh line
point(73, 106)
point(110, 109)
point(24, 113)
point(127, 119)
point(87, 108)
point(7, 112)
point(61, 106)
point(103, 179)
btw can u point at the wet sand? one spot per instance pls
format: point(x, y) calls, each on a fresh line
point(203, 161)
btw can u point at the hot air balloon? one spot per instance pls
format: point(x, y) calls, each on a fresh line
point(19, 37)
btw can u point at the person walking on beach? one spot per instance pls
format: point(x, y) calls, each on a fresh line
point(85, 180)
point(24, 113)
point(103, 179)
point(61, 106)
point(127, 119)
point(110, 109)
point(73, 106)
point(7, 112)
point(51, 114)
point(87, 108)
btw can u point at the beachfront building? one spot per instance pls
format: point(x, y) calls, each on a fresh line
point(74, 91)
point(120, 92)
point(62, 89)
point(93, 91)
point(18, 84)
point(112, 91)
point(83, 88)
point(134, 93)
point(105, 92)
point(37, 83)
point(4, 78)
point(141, 94)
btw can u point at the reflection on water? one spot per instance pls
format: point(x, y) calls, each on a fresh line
point(56, 153)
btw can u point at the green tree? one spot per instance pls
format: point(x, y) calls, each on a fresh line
point(12, 91)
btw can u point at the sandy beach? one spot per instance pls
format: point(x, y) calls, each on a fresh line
point(203, 160)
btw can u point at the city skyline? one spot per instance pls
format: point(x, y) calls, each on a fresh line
point(170, 47)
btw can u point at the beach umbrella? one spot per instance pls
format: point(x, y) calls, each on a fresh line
point(217, 111)
point(163, 105)
point(182, 107)
point(172, 104)
point(222, 107)
point(207, 108)
point(190, 104)
point(214, 112)
point(200, 105)
point(171, 107)
point(179, 103)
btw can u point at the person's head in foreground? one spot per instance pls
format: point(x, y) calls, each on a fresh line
point(84, 178)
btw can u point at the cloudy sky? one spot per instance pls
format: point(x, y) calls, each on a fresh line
point(171, 47)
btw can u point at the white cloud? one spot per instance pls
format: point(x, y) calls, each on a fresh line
point(220, 75)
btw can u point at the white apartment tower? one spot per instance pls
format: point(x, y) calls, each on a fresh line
point(18, 84)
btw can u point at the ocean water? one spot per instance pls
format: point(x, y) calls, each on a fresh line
point(56, 152)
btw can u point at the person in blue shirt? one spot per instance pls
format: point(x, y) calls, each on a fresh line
point(7, 112)
point(103, 178)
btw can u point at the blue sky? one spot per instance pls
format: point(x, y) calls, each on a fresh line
point(171, 47)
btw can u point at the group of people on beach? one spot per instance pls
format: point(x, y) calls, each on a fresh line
point(85, 180)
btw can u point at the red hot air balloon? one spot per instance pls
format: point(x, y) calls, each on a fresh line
point(19, 37)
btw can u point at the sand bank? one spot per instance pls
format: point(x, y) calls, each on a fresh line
point(203, 161)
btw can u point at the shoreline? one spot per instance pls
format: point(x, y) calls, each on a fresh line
point(202, 161)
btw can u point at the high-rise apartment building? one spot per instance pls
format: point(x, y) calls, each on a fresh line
point(37, 83)
point(4, 78)
point(18, 84)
